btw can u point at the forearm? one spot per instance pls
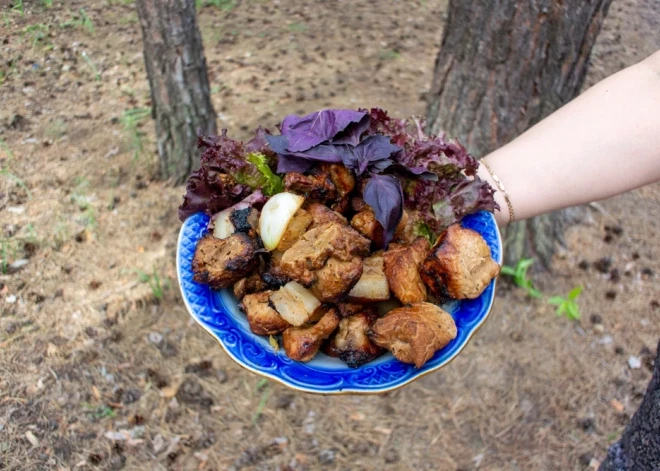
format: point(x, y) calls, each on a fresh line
point(605, 142)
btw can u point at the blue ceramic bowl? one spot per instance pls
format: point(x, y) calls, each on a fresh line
point(218, 314)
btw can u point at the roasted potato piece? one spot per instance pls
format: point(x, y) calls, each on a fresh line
point(263, 319)
point(295, 303)
point(222, 262)
point(316, 187)
point(294, 231)
point(401, 263)
point(316, 246)
point(336, 278)
point(321, 215)
point(414, 333)
point(302, 343)
point(248, 285)
point(366, 224)
point(372, 285)
point(459, 265)
point(351, 344)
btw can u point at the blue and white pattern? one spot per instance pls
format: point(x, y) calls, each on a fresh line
point(218, 314)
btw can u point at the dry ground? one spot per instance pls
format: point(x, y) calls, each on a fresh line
point(100, 367)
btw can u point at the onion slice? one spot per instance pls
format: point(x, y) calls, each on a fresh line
point(275, 217)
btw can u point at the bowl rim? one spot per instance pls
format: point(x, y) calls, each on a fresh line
point(346, 391)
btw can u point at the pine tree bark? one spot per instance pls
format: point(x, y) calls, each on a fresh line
point(180, 95)
point(503, 66)
point(639, 447)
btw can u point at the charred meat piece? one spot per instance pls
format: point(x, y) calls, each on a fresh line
point(248, 285)
point(263, 319)
point(316, 246)
point(302, 343)
point(295, 303)
point(414, 333)
point(459, 265)
point(349, 309)
point(366, 224)
point(245, 220)
point(222, 262)
point(402, 270)
point(316, 187)
point(341, 177)
point(321, 215)
point(372, 285)
point(294, 231)
point(336, 278)
point(405, 231)
point(351, 344)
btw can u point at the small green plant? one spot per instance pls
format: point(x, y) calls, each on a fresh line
point(8, 249)
point(48, 3)
point(224, 5)
point(38, 33)
point(389, 54)
point(131, 120)
point(56, 129)
point(519, 275)
point(92, 66)
point(18, 7)
point(85, 21)
point(262, 385)
point(154, 281)
point(297, 28)
point(567, 306)
point(10, 176)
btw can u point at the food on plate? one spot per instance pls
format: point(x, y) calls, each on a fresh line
point(263, 319)
point(220, 263)
point(338, 231)
point(414, 333)
point(350, 343)
point(460, 265)
point(401, 263)
point(302, 343)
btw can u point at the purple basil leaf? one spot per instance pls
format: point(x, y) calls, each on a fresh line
point(420, 172)
point(372, 149)
point(353, 132)
point(290, 163)
point(277, 143)
point(385, 196)
point(380, 166)
point(313, 129)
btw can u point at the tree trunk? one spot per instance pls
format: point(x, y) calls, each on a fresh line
point(503, 66)
point(180, 96)
point(639, 447)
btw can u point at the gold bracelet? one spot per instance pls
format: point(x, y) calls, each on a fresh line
point(500, 185)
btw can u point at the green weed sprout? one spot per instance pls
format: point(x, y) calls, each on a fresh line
point(92, 66)
point(567, 306)
point(131, 119)
point(519, 275)
point(155, 283)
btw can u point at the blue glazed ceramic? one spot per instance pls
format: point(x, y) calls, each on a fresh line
point(218, 314)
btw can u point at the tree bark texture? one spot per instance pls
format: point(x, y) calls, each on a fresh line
point(639, 447)
point(503, 66)
point(180, 95)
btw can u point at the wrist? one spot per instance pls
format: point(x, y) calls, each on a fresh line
point(504, 215)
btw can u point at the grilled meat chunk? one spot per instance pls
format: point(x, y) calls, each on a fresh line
point(302, 343)
point(341, 177)
point(405, 231)
point(248, 285)
point(459, 265)
point(351, 344)
point(263, 319)
point(311, 252)
point(222, 262)
point(294, 231)
point(366, 224)
point(349, 309)
point(336, 278)
point(245, 220)
point(414, 333)
point(402, 270)
point(295, 303)
point(321, 215)
point(372, 285)
point(318, 187)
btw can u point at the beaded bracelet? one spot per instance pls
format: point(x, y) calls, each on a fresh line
point(500, 185)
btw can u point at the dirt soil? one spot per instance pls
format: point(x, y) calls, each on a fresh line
point(100, 365)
